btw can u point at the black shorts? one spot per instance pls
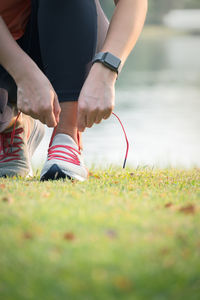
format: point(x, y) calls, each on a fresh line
point(61, 37)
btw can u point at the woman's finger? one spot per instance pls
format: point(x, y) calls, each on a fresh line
point(107, 114)
point(98, 119)
point(50, 120)
point(91, 119)
point(81, 120)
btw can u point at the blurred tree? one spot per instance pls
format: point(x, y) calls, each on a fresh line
point(157, 8)
point(192, 4)
point(108, 7)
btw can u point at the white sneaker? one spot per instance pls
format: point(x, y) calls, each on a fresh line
point(64, 160)
point(17, 145)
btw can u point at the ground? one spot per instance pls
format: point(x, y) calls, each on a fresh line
point(124, 234)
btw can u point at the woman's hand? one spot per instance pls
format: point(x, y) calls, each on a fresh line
point(35, 94)
point(37, 98)
point(97, 97)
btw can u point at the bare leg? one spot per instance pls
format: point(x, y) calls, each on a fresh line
point(68, 119)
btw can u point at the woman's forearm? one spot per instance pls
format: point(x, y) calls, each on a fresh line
point(12, 57)
point(125, 27)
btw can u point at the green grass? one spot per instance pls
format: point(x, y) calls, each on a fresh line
point(131, 234)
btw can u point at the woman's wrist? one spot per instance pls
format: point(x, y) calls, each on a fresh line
point(17, 63)
point(103, 73)
point(22, 67)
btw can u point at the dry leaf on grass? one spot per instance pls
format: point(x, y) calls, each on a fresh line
point(165, 251)
point(123, 283)
point(189, 209)
point(45, 195)
point(27, 236)
point(112, 234)
point(69, 236)
point(169, 204)
point(7, 199)
point(94, 175)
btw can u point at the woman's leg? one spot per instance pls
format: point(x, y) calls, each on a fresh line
point(67, 50)
point(68, 119)
point(67, 35)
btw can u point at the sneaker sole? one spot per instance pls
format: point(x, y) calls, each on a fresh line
point(55, 173)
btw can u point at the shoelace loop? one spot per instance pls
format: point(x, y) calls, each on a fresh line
point(71, 155)
point(8, 154)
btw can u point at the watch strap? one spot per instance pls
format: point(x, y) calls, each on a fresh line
point(109, 60)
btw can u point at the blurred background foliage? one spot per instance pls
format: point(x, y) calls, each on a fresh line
point(157, 8)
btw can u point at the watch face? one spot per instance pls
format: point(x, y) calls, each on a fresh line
point(112, 60)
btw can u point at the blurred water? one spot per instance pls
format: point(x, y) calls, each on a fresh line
point(158, 101)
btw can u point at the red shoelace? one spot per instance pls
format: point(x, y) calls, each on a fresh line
point(53, 153)
point(6, 149)
point(69, 154)
point(127, 143)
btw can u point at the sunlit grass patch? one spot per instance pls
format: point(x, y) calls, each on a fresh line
point(123, 234)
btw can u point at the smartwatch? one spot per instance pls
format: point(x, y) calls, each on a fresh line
point(109, 60)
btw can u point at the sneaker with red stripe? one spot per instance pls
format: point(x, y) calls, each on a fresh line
point(64, 160)
point(17, 145)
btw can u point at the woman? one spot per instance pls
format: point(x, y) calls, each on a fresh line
point(49, 68)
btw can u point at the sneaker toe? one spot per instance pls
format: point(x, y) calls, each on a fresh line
point(54, 170)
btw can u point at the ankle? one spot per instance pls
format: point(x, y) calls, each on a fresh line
point(71, 132)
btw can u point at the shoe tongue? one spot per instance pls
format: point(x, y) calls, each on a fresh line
point(64, 139)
